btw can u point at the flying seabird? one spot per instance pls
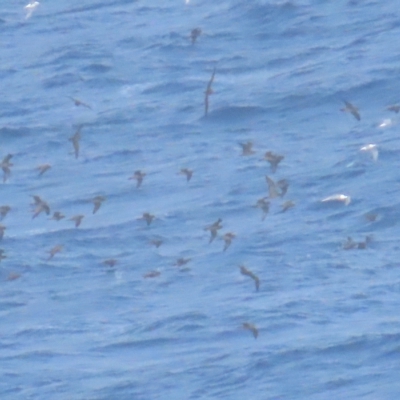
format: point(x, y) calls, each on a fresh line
point(187, 172)
point(264, 205)
point(287, 205)
point(338, 197)
point(4, 210)
point(147, 217)
point(138, 176)
point(152, 274)
point(2, 229)
point(246, 272)
point(43, 168)
point(373, 149)
point(78, 103)
point(77, 219)
point(214, 228)
point(40, 206)
point(228, 239)
point(111, 262)
point(273, 159)
point(283, 185)
point(97, 201)
point(5, 166)
point(395, 108)
point(208, 92)
point(182, 261)
point(55, 250)
point(272, 189)
point(247, 148)
point(156, 242)
point(75, 141)
point(57, 216)
point(194, 34)
point(351, 109)
point(251, 328)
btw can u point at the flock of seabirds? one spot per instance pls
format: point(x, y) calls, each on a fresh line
point(276, 190)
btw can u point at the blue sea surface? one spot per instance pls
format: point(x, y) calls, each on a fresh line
point(73, 327)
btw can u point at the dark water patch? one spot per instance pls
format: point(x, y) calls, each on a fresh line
point(232, 114)
point(97, 68)
point(60, 80)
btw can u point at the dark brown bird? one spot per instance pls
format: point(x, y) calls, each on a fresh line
point(246, 272)
point(395, 108)
point(209, 91)
point(194, 34)
point(351, 109)
point(5, 166)
point(138, 176)
point(287, 205)
point(2, 230)
point(2, 256)
point(273, 159)
point(152, 274)
point(77, 219)
point(147, 217)
point(247, 148)
point(214, 228)
point(40, 206)
point(97, 201)
point(43, 168)
point(264, 205)
point(156, 242)
point(78, 102)
point(75, 141)
point(182, 261)
point(371, 217)
point(228, 237)
point(12, 276)
point(57, 216)
point(54, 251)
point(251, 328)
point(111, 262)
point(4, 210)
point(272, 188)
point(283, 185)
point(187, 172)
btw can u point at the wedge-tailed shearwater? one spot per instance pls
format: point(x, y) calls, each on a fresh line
point(351, 109)
point(77, 219)
point(75, 141)
point(227, 238)
point(78, 102)
point(2, 230)
point(55, 250)
point(246, 272)
point(152, 274)
point(194, 34)
point(214, 228)
point(264, 204)
point(5, 166)
point(57, 216)
point(4, 210)
point(287, 205)
point(97, 201)
point(182, 261)
point(273, 159)
point(209, 91)
point(43, 168)
point(272, 189)
point(138, 176)
point(111, 262)
point(252, 328)
point(283, 185)
point(147, 217)
point(40, 206)
point(247, 148)
point(156, 242)
point(395, 108)
point(187, 172)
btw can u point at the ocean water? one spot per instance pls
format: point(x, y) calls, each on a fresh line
point(327, 318)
